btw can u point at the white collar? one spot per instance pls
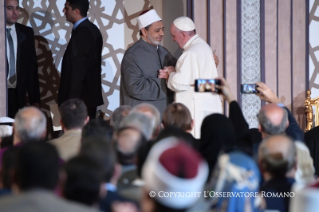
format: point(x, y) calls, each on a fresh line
point(13, 27)
point(189, 42)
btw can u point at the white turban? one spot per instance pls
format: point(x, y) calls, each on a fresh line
point(148, 18)
point(166, 158)
point(184, 23)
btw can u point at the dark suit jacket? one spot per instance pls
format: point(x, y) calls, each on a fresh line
point(312, 142)
point(27, 67)
point(81, 66)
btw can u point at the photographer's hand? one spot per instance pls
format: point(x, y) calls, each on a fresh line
point(225, 90)
point(266, 94)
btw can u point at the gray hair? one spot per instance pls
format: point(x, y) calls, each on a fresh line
point(155, 114)
point(268, 127)
point(118, 115)
point(140, 121)
point(305, 169)
point(29, 124)
point(278, 163)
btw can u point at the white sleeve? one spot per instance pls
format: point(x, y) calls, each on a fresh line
point(186, 72)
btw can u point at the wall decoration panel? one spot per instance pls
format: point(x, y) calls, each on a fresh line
point(250, 57)
point(314, 47)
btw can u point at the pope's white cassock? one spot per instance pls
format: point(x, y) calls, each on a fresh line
point(196, 62)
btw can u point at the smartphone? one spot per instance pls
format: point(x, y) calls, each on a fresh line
point(207, 85)
point(248, 88)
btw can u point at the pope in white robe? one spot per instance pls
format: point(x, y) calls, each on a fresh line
point(196, 62)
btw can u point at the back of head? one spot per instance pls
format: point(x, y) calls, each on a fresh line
point(150, 111)
point(97, 129)
point(118, 115)
point(82, 5)
point(103, 153)
point(273, 119)
point(173, 166)
point(277, 155)
point(140, 121)
point(305, 170)
point(73, 114)
point(37, 166)
point(236, 172)
point(177, 115)
point(29, 124)
point(83, 180)
point(128, 141)
point(217, 133)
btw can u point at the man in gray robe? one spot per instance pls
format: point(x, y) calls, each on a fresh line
point(141, 63)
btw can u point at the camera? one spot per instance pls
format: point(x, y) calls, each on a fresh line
point(207, 85)
point(248, 89)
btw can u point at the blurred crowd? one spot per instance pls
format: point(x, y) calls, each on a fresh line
point(140, 161)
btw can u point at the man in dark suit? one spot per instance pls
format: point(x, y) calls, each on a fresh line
point(81, 65)
point(22, 68)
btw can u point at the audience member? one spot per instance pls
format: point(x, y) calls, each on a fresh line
point(238, 173)
point(273, 120)
point(9, 164)
point(29, 125)
point(172, 166)
point(305, 173)
point(293, 130)
point(217, 135)
point(118, 115)
point(73, 117)
point(178, 115)
point(97, 129)
point(153, 113)
point(277, 164)
point(139, 121)
point(84, 177)
point(104, 154)
point(35, 178)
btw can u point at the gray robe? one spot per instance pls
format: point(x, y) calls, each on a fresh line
point(139, 82)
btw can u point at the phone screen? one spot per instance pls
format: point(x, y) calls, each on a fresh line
point(206, 85)
point(248, 89)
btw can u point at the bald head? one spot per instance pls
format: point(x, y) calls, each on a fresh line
point(29, 124)
point(273, 119)
point(277, 155)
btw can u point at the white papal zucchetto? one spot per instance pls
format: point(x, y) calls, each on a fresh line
point(184, 23)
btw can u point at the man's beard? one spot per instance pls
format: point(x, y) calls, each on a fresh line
point(154, 41)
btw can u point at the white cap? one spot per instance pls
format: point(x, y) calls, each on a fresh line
point(148, 18)
point(164, 159)
point(184, 23)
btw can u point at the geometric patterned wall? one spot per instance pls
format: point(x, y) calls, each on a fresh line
point(314, 47)
point(116, 20)
point(250, 57)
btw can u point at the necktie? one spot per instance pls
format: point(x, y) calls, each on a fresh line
point(159, 57)
point(12, 71)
